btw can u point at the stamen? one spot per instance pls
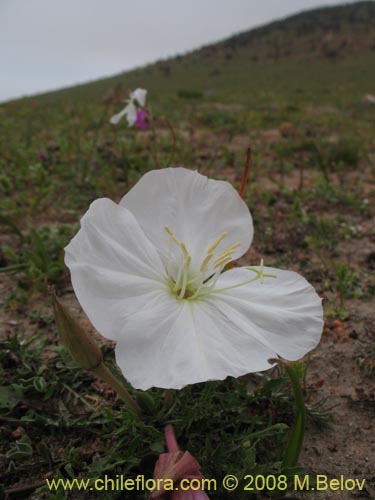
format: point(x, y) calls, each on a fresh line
point(205, 262)
point(179, 275)
point(209, 285)
point(169, 258)
point(226, 253)
point(169, 231)
point(181, 295)
point(178, 242)
point(172, 235)
point(189, 286)
point(216, 243)
point(184, 250)
point(223, 260)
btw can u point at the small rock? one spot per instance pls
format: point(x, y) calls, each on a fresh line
point(287, 129)
point(369, 99)
point(19, 432)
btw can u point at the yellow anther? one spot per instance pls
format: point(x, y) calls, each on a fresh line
point(171, 233)
point(230, 249)
point(227, 252)
point(178, 242)
point(205, 262)
point(184, 251)
point(214, 245)
point(223, 260)
point(187, 262)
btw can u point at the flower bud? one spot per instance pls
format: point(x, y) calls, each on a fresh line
point(146, 402)
point(83, 349)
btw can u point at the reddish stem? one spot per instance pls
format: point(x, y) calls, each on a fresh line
point(173, 133)
point(245, 173)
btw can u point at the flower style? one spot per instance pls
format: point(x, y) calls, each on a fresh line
point(177, 466)
point(151, 274)
point(136, 98)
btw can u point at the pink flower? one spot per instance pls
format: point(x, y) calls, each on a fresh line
point(180, 467)
point(137, 99)
point(141, 120)
point(42, 155)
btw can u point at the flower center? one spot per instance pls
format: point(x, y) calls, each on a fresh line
point(187, 284)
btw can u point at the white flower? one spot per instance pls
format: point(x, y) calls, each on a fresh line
point(138, 96)
point(150, 274)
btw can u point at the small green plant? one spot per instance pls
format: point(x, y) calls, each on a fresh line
point(189, 94)
point(343, 153)
point(40, 255)
point(346, 282)
point(337, 156)
point(323, 233)
point(366, 358)
point(250, 424)
point(221, 120)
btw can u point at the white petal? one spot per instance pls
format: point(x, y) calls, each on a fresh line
point(139, 95)
point(131, 114)
point(284, 313)
point(116, 118)
point(180, 342)
point(197, 209)
point(115, 269)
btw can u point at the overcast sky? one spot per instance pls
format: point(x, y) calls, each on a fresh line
point(48, 44)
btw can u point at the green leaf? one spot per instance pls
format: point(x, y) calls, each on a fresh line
point(296, 437)
point(40, 384)
point(22, 449)
point(7, 221)
point(10, 396)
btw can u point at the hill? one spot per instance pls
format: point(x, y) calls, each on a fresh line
point(314, 52)
point(330, 33)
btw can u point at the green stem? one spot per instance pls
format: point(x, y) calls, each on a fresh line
point(296, 437)
point(168, 399)
point(76, 395)
point(14, 267)
point(8, 221)
point(102, 372)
